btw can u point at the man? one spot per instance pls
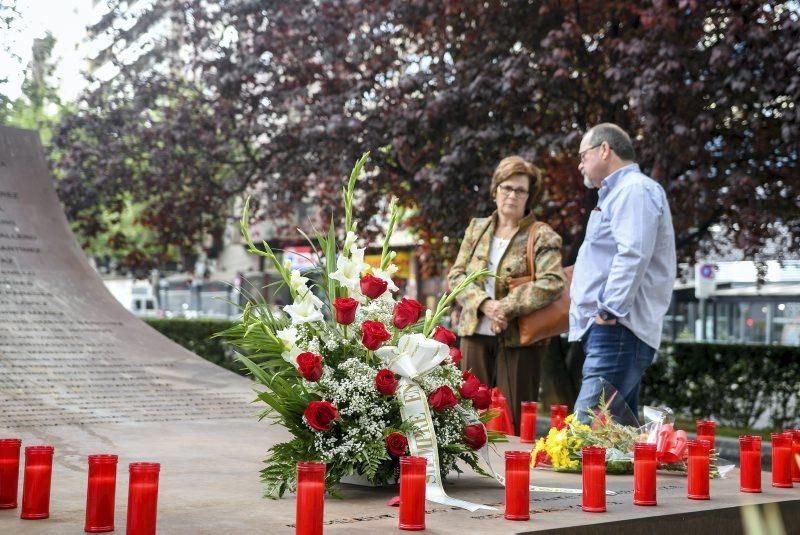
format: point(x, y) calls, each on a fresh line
point(624, 273)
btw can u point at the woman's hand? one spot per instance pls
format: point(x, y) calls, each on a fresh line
point(498, 327)
point(493, 310)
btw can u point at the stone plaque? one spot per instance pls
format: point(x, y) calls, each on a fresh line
point(69, 353)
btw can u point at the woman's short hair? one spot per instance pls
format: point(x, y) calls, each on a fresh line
point(515, 165)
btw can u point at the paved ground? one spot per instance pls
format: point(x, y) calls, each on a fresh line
point(209, 485)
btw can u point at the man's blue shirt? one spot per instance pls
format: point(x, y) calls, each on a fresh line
point(627, 263)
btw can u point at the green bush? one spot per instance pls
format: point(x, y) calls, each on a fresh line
point(196, 336)
point(733, 383)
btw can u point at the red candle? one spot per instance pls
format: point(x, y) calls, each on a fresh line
point(527, 426)
point(594, 479)
point(705, 431)
point(100, 493)
point(698, 476)
point(310, 507)
point(750, 463)
point(36, 486)
point(781, 459)
point(142, 498)
point(518, 479)
point(9, 472)
point(412, 493)
point(644, 473)
point(557, 415)
point(795, 462)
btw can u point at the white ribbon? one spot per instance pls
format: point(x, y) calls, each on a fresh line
point(468, 419)
point(413, 356)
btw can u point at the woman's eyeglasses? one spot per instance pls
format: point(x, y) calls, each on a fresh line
point(509, 190)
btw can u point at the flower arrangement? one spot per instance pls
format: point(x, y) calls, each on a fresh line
point(560, 449)
point(356, 375)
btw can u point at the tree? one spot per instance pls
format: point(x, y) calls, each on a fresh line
point(8, 14)
point(280, 97)
point(39, 106)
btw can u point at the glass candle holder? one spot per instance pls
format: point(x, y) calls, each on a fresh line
point(750, 463)
point(594, 479)
point(412, 492)
point(644, 473)
point(705, 431)
point(142, 498)
point(795, 462)
point(100, 493)
point(557, 415)
point(9, 472)
point(698, 473)
point(518, 479)
point(36, 486)
point(781, 460)
point(310, 508)
point(527, 426)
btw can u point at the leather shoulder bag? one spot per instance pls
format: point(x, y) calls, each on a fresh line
point(553, 318)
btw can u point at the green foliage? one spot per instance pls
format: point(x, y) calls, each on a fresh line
point(733, 383)
point(441, 91)
point(124, 237)
point(39, 107)
point(198, 336)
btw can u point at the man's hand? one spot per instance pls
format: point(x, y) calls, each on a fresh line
point(600, 321)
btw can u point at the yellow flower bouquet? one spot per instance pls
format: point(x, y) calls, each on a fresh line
point(561, 448)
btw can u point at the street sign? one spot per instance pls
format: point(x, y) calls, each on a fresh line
point(705, 281)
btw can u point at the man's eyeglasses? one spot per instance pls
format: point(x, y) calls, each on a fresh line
point(582, 154)
point(508, 190)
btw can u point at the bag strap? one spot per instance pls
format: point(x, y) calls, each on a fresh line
point(530, 248)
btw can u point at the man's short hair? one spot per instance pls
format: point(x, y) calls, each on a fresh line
point(616, 137)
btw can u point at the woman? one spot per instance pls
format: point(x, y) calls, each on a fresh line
point(488, 328)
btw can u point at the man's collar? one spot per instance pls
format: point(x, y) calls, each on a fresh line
point(611, 180)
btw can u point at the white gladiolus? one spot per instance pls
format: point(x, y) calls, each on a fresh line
point(387, 276)
point(307, 296)
point(348, 271)
point(304, 311)
point(288, 338)
point(297, 282)
point(349, 240)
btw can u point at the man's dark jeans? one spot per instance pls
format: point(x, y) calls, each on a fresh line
point(615, 356)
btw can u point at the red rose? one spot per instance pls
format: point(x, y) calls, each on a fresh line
point(345, 310)
point(475, 436)
point(455, 355)
point(374, 333)
point(444, 335)
point(407, 312)
point(373, 286)
point(442, 399)
point(310, 366)
point(386, 382)
point(320, 414)
point(482, 399)
point(396, 443)
point(470, 386)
